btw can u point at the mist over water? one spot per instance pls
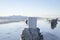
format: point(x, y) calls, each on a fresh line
point(13, 31)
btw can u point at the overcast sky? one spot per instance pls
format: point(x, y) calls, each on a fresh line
point(30, 8)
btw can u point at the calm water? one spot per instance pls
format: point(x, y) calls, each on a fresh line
point(12, 31)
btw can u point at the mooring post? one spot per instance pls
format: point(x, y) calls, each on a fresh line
point(32, 33)
point(32, 22)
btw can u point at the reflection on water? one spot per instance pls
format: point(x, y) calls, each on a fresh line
point(12, 31)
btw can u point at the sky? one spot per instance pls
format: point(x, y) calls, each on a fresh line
point(40, 8)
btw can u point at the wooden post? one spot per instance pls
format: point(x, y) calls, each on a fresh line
point(32, 22)
point(32, 33)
